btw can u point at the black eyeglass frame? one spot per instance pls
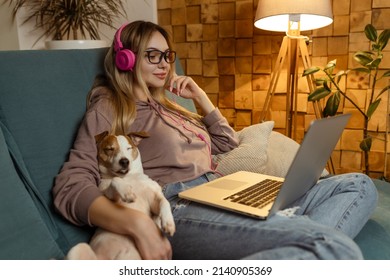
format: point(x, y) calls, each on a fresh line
point(164, 55)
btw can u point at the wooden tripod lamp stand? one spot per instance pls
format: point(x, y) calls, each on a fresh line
point(291, 17)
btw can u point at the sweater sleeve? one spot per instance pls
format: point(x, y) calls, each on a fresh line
point(75, 186)
point(223, 137)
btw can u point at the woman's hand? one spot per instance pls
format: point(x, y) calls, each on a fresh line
point(187, 88)
point(150, 242)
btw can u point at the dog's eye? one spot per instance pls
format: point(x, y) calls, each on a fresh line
point(108, 150)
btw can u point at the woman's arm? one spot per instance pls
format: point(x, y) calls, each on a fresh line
point(187, 88)
point(223, 137)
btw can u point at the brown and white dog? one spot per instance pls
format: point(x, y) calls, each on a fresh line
point(123, 181)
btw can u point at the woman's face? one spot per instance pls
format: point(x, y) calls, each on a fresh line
point(155, 74)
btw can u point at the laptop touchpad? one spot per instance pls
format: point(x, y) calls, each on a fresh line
point(226, 184)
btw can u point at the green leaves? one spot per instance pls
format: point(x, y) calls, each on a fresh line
point(372, 59)
point(364, 58)
point(330, 66)
point(364, 70)
point(386, 74)
point(59, 18)
point(319, 93)
point(383, 39)
point(310, 71)
point(371, 32)
point(324, 87)
point(372, 107)
point(329, 88)
point(383, 90)
point(340, 74)
point(379, 43)
point(332, 105)
point(365, 145)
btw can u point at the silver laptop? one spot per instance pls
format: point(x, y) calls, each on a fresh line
point(260, 195)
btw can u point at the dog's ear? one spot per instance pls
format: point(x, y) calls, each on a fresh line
point(100, 137)
point(136, 137)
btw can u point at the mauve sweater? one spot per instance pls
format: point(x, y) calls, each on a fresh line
point(176, 151)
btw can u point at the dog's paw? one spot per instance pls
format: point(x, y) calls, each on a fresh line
point(123, 189)
point(169, 228)
point(165, 217)
point(168, 225)
point(128, 197)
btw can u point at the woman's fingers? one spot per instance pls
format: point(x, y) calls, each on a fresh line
point(178, 84)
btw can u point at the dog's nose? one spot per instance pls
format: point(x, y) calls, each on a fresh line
point(124, 162)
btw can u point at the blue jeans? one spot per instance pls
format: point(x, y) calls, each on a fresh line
point(322, 226)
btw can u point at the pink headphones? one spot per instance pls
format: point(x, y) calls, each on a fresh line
point(124, 58)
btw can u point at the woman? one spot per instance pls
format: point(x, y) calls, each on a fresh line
point(139, 67)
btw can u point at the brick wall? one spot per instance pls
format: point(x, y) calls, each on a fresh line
point(232, 61)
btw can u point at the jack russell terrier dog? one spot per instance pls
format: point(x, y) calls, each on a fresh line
point(123, 181)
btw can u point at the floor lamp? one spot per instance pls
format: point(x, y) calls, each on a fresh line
point(291, 17)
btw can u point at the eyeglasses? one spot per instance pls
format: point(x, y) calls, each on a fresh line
point(155, 56)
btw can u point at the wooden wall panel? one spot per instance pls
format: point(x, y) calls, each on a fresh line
point(232, 61)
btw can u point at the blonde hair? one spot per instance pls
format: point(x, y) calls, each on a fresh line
point(135, 36)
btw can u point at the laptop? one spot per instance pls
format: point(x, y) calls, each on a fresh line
point(260, 196)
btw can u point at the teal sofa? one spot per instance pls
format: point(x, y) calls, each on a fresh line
point(42, 100)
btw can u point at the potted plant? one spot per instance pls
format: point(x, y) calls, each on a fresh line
point(69, 19)
point(328, 87)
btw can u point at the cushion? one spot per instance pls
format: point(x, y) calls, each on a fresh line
point(23, 233)
point(281, 151)
point(251, 154)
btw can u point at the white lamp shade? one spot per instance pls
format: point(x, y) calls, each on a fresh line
point(274, 15)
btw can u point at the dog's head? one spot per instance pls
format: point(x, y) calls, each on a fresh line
point(118, 155)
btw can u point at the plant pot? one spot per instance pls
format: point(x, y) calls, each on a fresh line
point(75, 44)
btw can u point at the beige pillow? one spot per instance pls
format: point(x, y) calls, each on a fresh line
point(251, 154)
point(281, 151)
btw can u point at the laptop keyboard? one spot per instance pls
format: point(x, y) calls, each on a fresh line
point(257, 195)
